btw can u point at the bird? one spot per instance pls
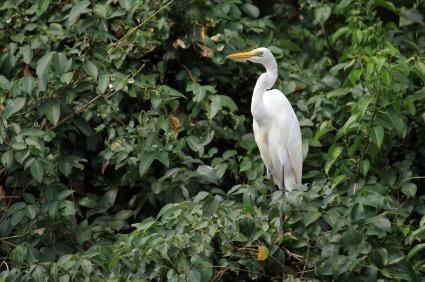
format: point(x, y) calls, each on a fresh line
point(276, 128)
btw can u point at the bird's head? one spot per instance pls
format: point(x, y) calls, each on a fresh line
point(260, 56)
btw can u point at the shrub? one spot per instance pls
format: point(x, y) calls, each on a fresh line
point(122, 111)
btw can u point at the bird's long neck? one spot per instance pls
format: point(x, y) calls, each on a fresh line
point(264, 82)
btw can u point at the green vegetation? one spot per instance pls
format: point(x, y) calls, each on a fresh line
point(127, 151)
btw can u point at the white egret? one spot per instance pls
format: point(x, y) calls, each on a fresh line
point(276, 128)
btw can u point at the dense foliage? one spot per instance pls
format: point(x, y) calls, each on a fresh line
point(127, 153)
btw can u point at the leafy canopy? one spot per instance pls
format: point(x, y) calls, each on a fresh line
point(126, 149)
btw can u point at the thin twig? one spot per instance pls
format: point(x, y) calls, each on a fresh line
point(306, 261)
point(5, 263)
point(115, 45)
point(414, 177)
point(187, 69)
point(82, 109)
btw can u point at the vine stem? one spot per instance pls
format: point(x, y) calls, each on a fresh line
point(116, 44)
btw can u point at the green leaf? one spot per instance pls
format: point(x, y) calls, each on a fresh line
point(61, 63)
point(245, 165)
point(163, 158)
point(251, 10)
point(333, 154)
point(17, 217)
point(102, 83)
point(409, 16)
point(352, 238)
point(210, 207)
point(310, 217)
point(398, 123)
point(340, 32)
point(42, 7)
point(43, 64)
point(377, 135)
point(67, 77)
point(53, 111)
point(7, 158)
point(416, 249)
point(28, 84)
point(364, 166)
point(409, 189)
point(31, 211)
point(108, 199)
point(322, 14)
point(146, 162)
point(39, 274)
point(91, 69)
point(86, 266)
point(4, 83)
point(354, 75)
point(37, 170)
point(194, 275)
point(77, 9)
point(420, 69)
point(66, 261)
point(13, 107)
point(214, 107)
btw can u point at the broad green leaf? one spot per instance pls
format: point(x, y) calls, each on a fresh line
point(310, 217)
point(126, 4)
point(67, 77)
point(43, 64)
point(377, 135)
point(102, 83)
point(245, 165)
point(28, 84)
point(340, 32)
point(251, 10)
point(354, 75)
point(4, 83)
point(13, 107)
point(53, 111)
point(322, 14)
point(17, 217)
point(348, 124)
point(39, 274)
point(61, 63)
point(100, 10)
point(37, 170)
point(31, 211)
point(91, 69)
point(352, 238)
point(364, 166)
point(66, 261)
point(420, 69)
point(333, 154)
point(7, 158)
point(86, 266)
point(416, 249)
point(214, 107)
point(108, 199)
point(398, 123)
point(146, 162)
point(77, 9)
point(409, 189)
point(410, 16)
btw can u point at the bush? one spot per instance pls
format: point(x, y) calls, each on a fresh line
point(126, 112)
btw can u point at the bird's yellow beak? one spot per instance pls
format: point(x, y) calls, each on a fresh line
point(244, 56)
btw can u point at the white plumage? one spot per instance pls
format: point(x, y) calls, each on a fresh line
point(276, 128)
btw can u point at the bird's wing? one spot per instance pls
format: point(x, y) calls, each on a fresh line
point(262, 146)
point(285, 134)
